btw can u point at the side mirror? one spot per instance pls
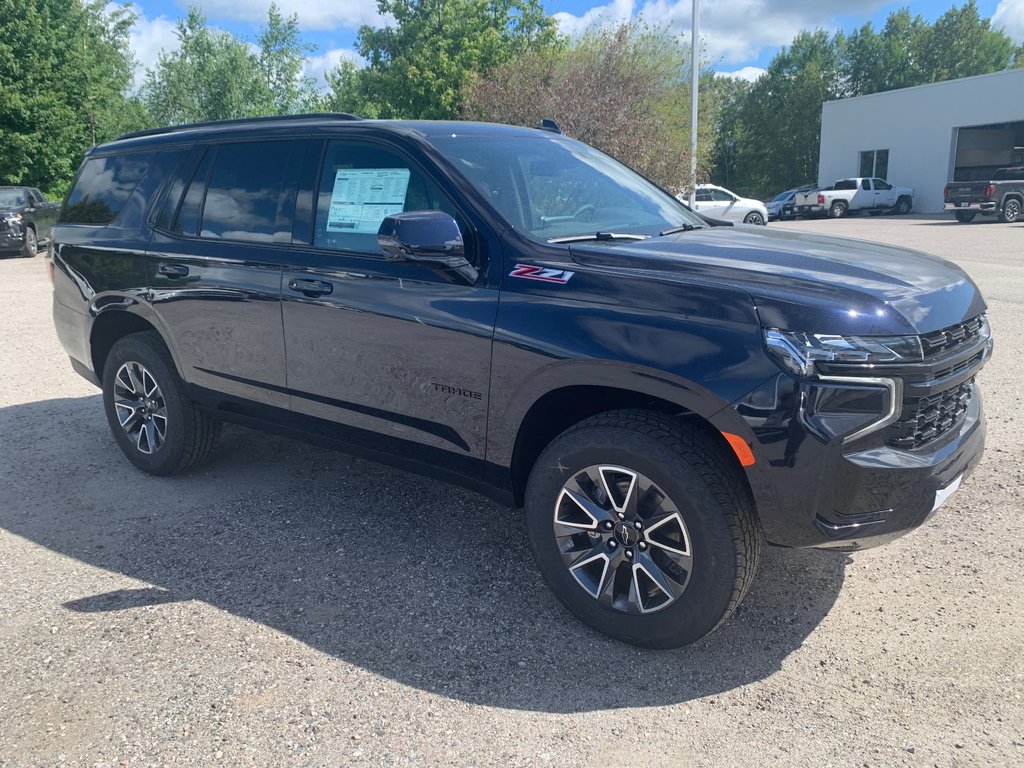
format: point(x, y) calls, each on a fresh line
point(429, 238)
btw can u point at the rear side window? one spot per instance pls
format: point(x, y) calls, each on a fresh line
point(846, 184)
point(103, 187)
point(1008, 174)
point(244, 192)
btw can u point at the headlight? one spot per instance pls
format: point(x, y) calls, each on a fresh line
point(798, 352)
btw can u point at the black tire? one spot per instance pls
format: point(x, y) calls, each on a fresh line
point(755, 218)
point(903, 206)
point(965, 217)
point(189, 433)
point(1011, 211)
point(701, 481)
point(838, 209)
point(31, 246)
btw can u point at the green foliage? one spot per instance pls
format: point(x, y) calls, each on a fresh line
point(216, 76)
point(65, 67)
point(624, 90)
point(418, 67)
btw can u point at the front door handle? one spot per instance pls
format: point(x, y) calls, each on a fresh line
point(172, 270)
point(311, 287)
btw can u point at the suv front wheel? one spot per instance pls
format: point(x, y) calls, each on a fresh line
point(153, 420)
point(641, 528)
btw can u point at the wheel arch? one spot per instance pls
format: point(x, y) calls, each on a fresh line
point(559, 409)
point(114, 322)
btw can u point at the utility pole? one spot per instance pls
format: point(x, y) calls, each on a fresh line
point(694, 82)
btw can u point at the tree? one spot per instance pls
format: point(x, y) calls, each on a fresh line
point(962, 44)
point(624, 90)
point(282, 65)
point(215, 76)
point(65, 68)
point(418, 67)
point(727, 95)
point(781, 117)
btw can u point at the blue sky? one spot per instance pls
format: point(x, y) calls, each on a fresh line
point(739, 36)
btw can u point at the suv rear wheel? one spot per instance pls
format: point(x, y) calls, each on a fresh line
point(153, 420)
point(641, 528)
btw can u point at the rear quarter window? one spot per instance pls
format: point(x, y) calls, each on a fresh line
point(103, 186)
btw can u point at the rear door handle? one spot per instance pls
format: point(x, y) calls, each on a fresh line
point(172, 270)
point(311, 287)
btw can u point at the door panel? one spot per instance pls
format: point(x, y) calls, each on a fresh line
point(392, 349)
point(215, 270)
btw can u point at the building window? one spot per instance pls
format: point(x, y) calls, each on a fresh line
point(875, 163)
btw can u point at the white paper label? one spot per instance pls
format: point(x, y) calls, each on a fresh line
point(363, 197)
point(945, 493)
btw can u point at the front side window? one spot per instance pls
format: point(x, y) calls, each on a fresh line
point(362, 183)
point(721, 196)
point(103, 187)
point(551, 186)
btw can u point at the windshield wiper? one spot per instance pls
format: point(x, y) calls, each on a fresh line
point(680, 228)
point(598, 236)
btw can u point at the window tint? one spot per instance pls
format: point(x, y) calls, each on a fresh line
point(702, 196)
point(1008, 174)
point(244, 191)
point(879, 184)
point(187, 220)
point(103, 186)
point(361, 184)
point(865, 184)
point(846, 184)
point(721, 196)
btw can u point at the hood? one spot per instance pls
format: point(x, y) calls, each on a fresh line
point(808, 282)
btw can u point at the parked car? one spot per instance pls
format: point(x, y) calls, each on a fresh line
point(855, 195)
point(513, 311)
point(720, 203)
point(1003, 196)
point(26, 219)
point(781, 207)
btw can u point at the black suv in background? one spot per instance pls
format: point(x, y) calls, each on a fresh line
point(513, 311)
point(26, 218)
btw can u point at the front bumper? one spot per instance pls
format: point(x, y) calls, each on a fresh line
point(813, 491)
point(882, 493)
point(12, 239)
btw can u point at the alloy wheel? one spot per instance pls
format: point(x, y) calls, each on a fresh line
point(623, 539)
point(140, 407)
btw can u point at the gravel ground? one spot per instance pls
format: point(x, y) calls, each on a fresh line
point(253, 614)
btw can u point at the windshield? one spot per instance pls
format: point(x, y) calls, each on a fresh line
point(11, 198)
point(784, 196)
point(550, 186)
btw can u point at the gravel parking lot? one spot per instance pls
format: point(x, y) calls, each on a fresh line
point(290, 606)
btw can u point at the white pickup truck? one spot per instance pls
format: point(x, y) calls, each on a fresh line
point(852, 195)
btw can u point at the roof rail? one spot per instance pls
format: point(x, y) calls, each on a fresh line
point(238, 121)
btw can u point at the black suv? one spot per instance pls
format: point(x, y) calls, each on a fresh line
point(513, 311)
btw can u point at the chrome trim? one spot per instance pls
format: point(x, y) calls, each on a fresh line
point(893, 386)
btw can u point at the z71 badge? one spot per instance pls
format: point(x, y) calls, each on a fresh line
point(541, 273)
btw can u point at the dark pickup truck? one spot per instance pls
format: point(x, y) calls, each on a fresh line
point(1003, 196)
point(26, 218)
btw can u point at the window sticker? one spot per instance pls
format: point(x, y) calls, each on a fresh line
point(363, 197)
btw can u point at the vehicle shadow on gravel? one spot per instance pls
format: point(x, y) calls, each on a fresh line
point(419, 582)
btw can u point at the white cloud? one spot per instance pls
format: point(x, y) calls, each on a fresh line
point(750, 74)
point(1010, 16)
point(731, 31)
point(349, 14)
point(614, 12)
point(318, 66)
point(148, 37)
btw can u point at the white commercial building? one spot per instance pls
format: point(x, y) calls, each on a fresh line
point(926, 136)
